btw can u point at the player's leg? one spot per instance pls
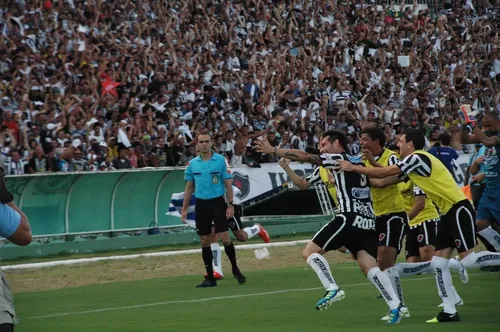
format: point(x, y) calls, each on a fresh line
point(204, 227)
point(216, 255)
point(365, 250)
point(329, 237)
point(390, 229)
point(7, 313)
point(244, 234)
point(452, 234)
point(488, 212)
point(222, 228)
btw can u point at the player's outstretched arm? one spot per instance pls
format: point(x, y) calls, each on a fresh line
point(489, 141)
point(296, 179)
point(386, 182)
point(292, 154)
point(373, 172)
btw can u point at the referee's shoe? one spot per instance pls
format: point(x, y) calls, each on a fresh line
point(207, 283)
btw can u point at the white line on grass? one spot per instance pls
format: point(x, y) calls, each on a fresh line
point(145, 305)
point(149, 254)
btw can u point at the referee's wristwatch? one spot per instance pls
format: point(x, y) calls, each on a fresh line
point(230, 203)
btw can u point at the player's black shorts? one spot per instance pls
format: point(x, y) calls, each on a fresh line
point(235, 223)
point(457, 228)
point(341, 232)
point(421, 236)
point(208, 211)
point(391, 229)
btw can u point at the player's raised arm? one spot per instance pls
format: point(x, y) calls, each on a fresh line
point(296, 179)
point(263, 146)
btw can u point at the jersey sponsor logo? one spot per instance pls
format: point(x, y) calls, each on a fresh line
point(420, 237)
point(381, 237)
point(364, 223)
point(361, 208)
point(360, 193)
point(354, 159)
point(416, 269)
point(323, 269)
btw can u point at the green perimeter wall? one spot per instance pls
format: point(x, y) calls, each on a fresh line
point(65, 203)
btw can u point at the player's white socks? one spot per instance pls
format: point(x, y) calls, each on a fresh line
point(444, 283)
point(322, 269)
point(411, 269)
point(481, 259)
point(252, 231)
point(491, 236)
point(383, 284)
point(217, 258)
point(393, 276)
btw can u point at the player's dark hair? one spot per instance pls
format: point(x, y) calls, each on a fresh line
point(375, 134)
point(444, 139)
point(417, 137)
point(334, 135)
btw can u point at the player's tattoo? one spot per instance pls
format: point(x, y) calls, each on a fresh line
point(303, 156)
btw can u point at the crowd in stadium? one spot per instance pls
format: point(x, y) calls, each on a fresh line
point(104, 85)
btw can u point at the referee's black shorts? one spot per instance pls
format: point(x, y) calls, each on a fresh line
point(208, 211)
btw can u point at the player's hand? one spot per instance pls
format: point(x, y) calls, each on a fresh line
point(344, 165)
point(331, 179)
point(184, 216)
point(284, 163)
point(264, 146)
point(479, 160)
point(230, 212)
point(368, 155)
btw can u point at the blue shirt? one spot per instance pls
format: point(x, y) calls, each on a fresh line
point(208, 176)
point(491, 165)
point(446, 155)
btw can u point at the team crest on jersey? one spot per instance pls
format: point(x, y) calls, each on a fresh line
point(242, 183)
point(420, 238)
point(458, 243)
point(381, 237)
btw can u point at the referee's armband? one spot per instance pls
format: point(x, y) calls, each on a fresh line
point(5, 195)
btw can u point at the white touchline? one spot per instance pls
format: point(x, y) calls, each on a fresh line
point(145, 305)
point(144, 255)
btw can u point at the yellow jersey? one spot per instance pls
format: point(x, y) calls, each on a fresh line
point(323, 173)
point(429, 174)
point(386, 200)
point(409, 191)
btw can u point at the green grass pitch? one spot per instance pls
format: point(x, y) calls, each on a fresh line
point(272, 300)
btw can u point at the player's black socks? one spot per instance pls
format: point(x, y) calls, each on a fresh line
point(231, 254)
point(488, 245)
point(206, 253)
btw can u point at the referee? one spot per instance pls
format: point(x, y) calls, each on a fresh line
point(211, 180)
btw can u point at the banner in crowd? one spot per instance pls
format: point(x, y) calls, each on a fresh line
point(253, 182)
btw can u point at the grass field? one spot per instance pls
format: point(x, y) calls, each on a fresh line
point(280, 295)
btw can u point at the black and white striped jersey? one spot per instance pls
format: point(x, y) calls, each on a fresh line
point(353, 189)
point(415, 163)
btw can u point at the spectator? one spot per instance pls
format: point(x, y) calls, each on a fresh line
point(117, 72)
point(443, 152)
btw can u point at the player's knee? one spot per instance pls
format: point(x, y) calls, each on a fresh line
point(214, 238)
point(205, 240)
point(426, 253)
point(306, 253)
point(241, 235)
point(224, 236)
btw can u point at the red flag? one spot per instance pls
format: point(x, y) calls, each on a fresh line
point(110, 87)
